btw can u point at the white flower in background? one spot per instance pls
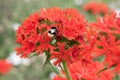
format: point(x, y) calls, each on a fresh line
point(16, 60)
point(52, 74)
point(78, 2)
point(118, 12)
point(15, 26)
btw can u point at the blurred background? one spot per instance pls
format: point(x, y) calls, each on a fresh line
point(12, 13)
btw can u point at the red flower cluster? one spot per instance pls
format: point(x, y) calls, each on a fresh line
point(108, 24)
point(108, 43)
point(39, 30)
point(78, 71)
point(65, 36)
point(96, 8)
point(5, 67)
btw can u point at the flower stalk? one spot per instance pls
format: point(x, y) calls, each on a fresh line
point(66, 70)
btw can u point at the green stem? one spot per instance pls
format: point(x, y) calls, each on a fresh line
point(66, 70)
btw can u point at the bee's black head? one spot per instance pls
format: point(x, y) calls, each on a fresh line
point(52, 31)
point(53, 28)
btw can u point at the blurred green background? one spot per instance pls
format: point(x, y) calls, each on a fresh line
point(13, 12)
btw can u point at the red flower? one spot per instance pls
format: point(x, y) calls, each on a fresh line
point(5, 67)
point(118, 21)
point(34, 35)
point(74, 24)
point(34, 43)
point(88, 44)
point(117, 68)
point(96, 8)
point(69, 22)
point(69, 55)
point(58, 78)
point(65, 34)
point(118, 24)
point(62, 54)
point(78, 71)
point(107, 42)
point(107, 24)
point(110, 48)
point(52, 14)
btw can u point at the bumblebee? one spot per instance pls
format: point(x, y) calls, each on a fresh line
point(52, 32)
